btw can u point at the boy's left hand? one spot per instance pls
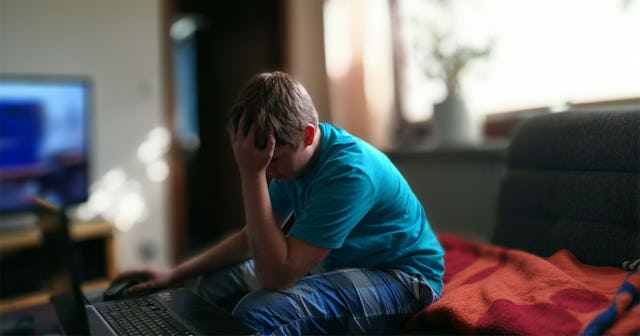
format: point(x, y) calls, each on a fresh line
point(250, 159)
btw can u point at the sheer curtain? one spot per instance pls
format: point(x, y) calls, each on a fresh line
point(360, 68)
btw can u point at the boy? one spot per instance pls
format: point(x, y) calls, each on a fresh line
point(360, 256)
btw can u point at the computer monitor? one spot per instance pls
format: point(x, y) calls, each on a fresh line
point(44, 140)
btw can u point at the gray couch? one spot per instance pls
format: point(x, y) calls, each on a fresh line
point(573, 181)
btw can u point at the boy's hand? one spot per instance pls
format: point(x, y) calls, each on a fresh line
point(155, 279)
point(250, 159)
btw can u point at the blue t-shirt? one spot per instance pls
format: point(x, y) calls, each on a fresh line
point(355, 202)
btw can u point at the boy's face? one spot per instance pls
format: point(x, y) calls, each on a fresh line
point(288, 163)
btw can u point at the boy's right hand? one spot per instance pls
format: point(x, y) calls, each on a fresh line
point(156, 279)
point(251, 160)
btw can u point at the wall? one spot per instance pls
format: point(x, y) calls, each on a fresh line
point(457, 187)
point(305, 51)
point(117, 44)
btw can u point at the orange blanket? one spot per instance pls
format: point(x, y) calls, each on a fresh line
point(493, 290)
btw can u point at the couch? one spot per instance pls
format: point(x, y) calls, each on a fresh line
point(567, 234)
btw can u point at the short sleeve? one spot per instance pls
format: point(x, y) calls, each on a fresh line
point(334, 207)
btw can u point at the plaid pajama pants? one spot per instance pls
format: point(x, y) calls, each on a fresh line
point(346, 301)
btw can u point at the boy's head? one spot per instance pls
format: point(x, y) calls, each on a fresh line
point(276, 103)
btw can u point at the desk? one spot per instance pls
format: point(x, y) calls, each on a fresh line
point(19, 245)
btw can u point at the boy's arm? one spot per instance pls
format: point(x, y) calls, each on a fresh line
point(280, 261)
point(230, 250)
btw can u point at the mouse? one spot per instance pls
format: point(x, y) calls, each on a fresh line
point(118, 287)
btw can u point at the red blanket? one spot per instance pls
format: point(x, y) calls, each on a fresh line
point(493, 290)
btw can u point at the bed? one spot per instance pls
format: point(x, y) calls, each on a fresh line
point(563, 259)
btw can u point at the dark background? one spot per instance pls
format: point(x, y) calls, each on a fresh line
point(237, 39)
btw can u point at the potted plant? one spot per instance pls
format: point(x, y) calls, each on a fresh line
point(448, 61)
point(445, 58)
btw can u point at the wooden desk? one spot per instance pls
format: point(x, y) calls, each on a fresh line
point(13, 242)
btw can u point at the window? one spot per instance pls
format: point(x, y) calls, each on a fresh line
point(543, 53)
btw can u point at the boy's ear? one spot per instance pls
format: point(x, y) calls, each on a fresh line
point(309, 134)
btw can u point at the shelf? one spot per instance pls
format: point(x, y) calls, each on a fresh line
point(21, 244)
point(36, 298)
point(32, 237)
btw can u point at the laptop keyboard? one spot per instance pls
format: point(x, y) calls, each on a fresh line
point(141, 316)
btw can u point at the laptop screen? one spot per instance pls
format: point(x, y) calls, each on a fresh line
point(63, 276)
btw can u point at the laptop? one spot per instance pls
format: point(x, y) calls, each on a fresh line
point(176, 311)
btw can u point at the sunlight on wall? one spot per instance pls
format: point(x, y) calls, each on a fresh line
point(152, 152)
point(119, 198)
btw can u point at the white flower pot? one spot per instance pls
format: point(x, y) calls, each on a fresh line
point(453, 125)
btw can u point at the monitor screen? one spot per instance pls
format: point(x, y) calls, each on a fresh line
point(44, 148)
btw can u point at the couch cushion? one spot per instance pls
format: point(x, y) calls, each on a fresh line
point(573, 181)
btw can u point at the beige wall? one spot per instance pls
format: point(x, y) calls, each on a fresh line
point(117, 44)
